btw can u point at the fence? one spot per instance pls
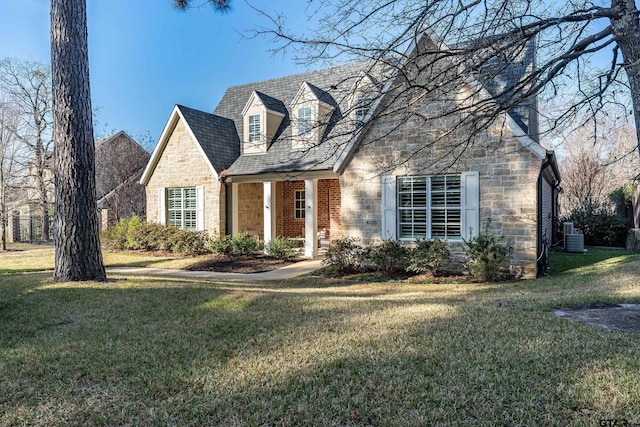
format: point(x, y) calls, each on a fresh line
point(28, 229)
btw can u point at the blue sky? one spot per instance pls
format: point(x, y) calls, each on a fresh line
point(144, 56)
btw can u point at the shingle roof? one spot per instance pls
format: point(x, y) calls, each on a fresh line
point(280, 157)
point(216, 135)
point(272, 103)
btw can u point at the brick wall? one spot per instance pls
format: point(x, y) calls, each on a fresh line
point(182, 164)
point(328, 208)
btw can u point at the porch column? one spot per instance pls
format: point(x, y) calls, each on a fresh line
point(310, 217)
point(234, 209)
point(269, 198)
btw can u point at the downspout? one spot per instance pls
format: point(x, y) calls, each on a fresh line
point(227, 205)
point(539, 244)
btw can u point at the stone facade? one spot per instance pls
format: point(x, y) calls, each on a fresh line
point(250, 208)
point(184, 165)
point(508, 185)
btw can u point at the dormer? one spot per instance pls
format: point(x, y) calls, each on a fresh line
point(311, 110)
point(262, 117)
point(363, 94)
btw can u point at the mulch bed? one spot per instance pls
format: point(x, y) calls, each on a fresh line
point(239, 263)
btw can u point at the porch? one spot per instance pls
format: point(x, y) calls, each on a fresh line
point(306, 210)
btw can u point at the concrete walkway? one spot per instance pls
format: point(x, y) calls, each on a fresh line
point(287, 272)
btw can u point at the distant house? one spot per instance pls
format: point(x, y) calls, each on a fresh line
point(306, 156)
point(120, 162)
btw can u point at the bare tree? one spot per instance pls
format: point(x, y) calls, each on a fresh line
point(598, 158)
point(28, 85)
point(77, 244)
point(481, 41)
point(10, 170)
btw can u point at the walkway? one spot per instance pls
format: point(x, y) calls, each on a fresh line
point(287, 272)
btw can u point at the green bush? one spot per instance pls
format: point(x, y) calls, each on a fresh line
point(389, 256)
point(599, 224)
point(115, 237)
point(134, 223)
point(485, 255)
point(429, 256)
point(189, 242)
point(221, 244)
point(344, 254)
point(244, 244)
point(281, 248)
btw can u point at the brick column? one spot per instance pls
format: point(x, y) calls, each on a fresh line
point(234, 209)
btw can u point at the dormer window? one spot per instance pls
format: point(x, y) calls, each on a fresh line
point(263, 115)
point(254, 128)
point(360, 111)
point(312, 109)
point(305, 124)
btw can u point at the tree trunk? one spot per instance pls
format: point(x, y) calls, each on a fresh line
point(77, 242)
point(626, 29)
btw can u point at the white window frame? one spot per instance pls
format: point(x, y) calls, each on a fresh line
point(452, 204)
point(305, 121)
point(182, 207)
point(255, 127)
point(298, 204)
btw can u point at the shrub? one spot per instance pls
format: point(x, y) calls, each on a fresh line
point(244, 244)
point(115, 237)
point(429, 256)
point(221, 244)
point(134, 223)
point(344, 255)
point(599, 224)
point(188, 242)
point(151, 237)
point(281, 248)
point(388, 256)
point(485, 254)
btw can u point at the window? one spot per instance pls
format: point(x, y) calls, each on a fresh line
point(360, 111)
point(254, 128)
point(429, 207)
point(299, 204)
point(181, 208)
point(304, 121)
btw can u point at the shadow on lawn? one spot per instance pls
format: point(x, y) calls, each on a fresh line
point(179, 352)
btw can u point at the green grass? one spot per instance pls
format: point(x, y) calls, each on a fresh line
point(316, 352)
point(21, 258)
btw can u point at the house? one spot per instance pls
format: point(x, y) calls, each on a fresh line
point(311, 155)
point(119, 161)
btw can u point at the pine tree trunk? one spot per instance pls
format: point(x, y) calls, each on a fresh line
point(77, 242)
point(626, 29)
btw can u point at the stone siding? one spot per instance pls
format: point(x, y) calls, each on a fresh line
point(251, 208)
point(183, 164)
point(508, 180)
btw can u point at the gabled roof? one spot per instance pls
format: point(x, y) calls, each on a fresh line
point(271, 103)
point(216, 136)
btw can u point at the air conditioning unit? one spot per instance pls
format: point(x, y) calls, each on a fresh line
point(573, 242)
point(568, 228)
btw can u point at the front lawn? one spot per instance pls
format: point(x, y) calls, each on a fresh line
point(316, 351)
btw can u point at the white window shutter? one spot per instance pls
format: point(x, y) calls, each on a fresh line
point(470, 204)
point(389, 224)
point(200, 208)
point(162, 211)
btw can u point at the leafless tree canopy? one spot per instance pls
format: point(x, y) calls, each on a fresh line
point(586, 52)
point(28, 87)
